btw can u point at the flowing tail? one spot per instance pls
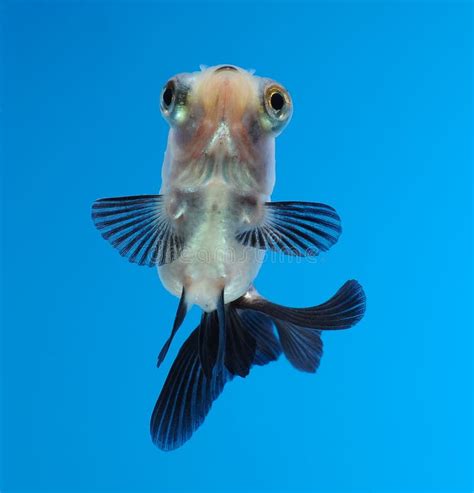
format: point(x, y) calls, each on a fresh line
point(232, 339)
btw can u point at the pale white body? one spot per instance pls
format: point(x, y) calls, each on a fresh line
point(218, 172)
point(213, 259)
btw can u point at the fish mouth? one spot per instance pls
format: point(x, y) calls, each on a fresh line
point(230, 68)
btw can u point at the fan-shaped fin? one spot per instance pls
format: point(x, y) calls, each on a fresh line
point(139, 228)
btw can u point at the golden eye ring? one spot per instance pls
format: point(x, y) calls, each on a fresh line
point(277, 102)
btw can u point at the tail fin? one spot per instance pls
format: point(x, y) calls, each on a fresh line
point(250, 341)
point(232, 339)
point(186, 397)
point(198, 374)
point(299, 329)
point(342, 311)
point(303, 347)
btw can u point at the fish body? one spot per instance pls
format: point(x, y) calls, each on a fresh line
point(219, 171)
point(207, 232)
point(213, 259)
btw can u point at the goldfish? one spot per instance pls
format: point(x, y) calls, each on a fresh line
point(208, 230)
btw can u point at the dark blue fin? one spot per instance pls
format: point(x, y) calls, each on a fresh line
point(212, 336)
point(186, 397)
point(208, 341)
point(139, 228)
point(198, 375)
point(178, 320)
point(260, 327)
point(303, 347)
point(294, 228)
point(342, 311)
point(241, 344)
point(221, 320)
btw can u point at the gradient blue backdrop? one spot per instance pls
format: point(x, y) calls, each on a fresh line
point(382, 130)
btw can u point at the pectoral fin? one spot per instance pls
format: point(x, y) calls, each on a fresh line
point(294, 228)
point(139, 228)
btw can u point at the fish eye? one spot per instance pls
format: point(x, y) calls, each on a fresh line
point(278, 107)
point(277, 101)
point(168, 95)
point(173, 101)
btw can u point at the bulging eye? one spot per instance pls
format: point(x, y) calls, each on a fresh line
point(277, 101)
point(278, 107)
point(173, 101)
point(168, 96)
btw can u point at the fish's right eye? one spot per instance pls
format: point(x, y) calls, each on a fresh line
point(168, 96)
point(174, 100)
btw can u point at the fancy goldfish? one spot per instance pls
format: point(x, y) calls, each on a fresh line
point(208, 230)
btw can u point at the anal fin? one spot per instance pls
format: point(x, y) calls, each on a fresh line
point(212, 337)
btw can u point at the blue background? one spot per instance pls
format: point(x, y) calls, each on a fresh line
point(382, 130)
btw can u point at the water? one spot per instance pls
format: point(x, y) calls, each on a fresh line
point(382, 131)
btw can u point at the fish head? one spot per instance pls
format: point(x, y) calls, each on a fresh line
point(225, 114)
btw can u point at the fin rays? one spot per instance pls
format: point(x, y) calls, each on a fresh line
point(185, 399)
point(342, 311)
point(139, 228)
point(294, 228)
point(303, 347)
point(232, 339)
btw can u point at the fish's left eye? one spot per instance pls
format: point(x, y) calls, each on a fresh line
point(278, 107)
point(277, 101)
